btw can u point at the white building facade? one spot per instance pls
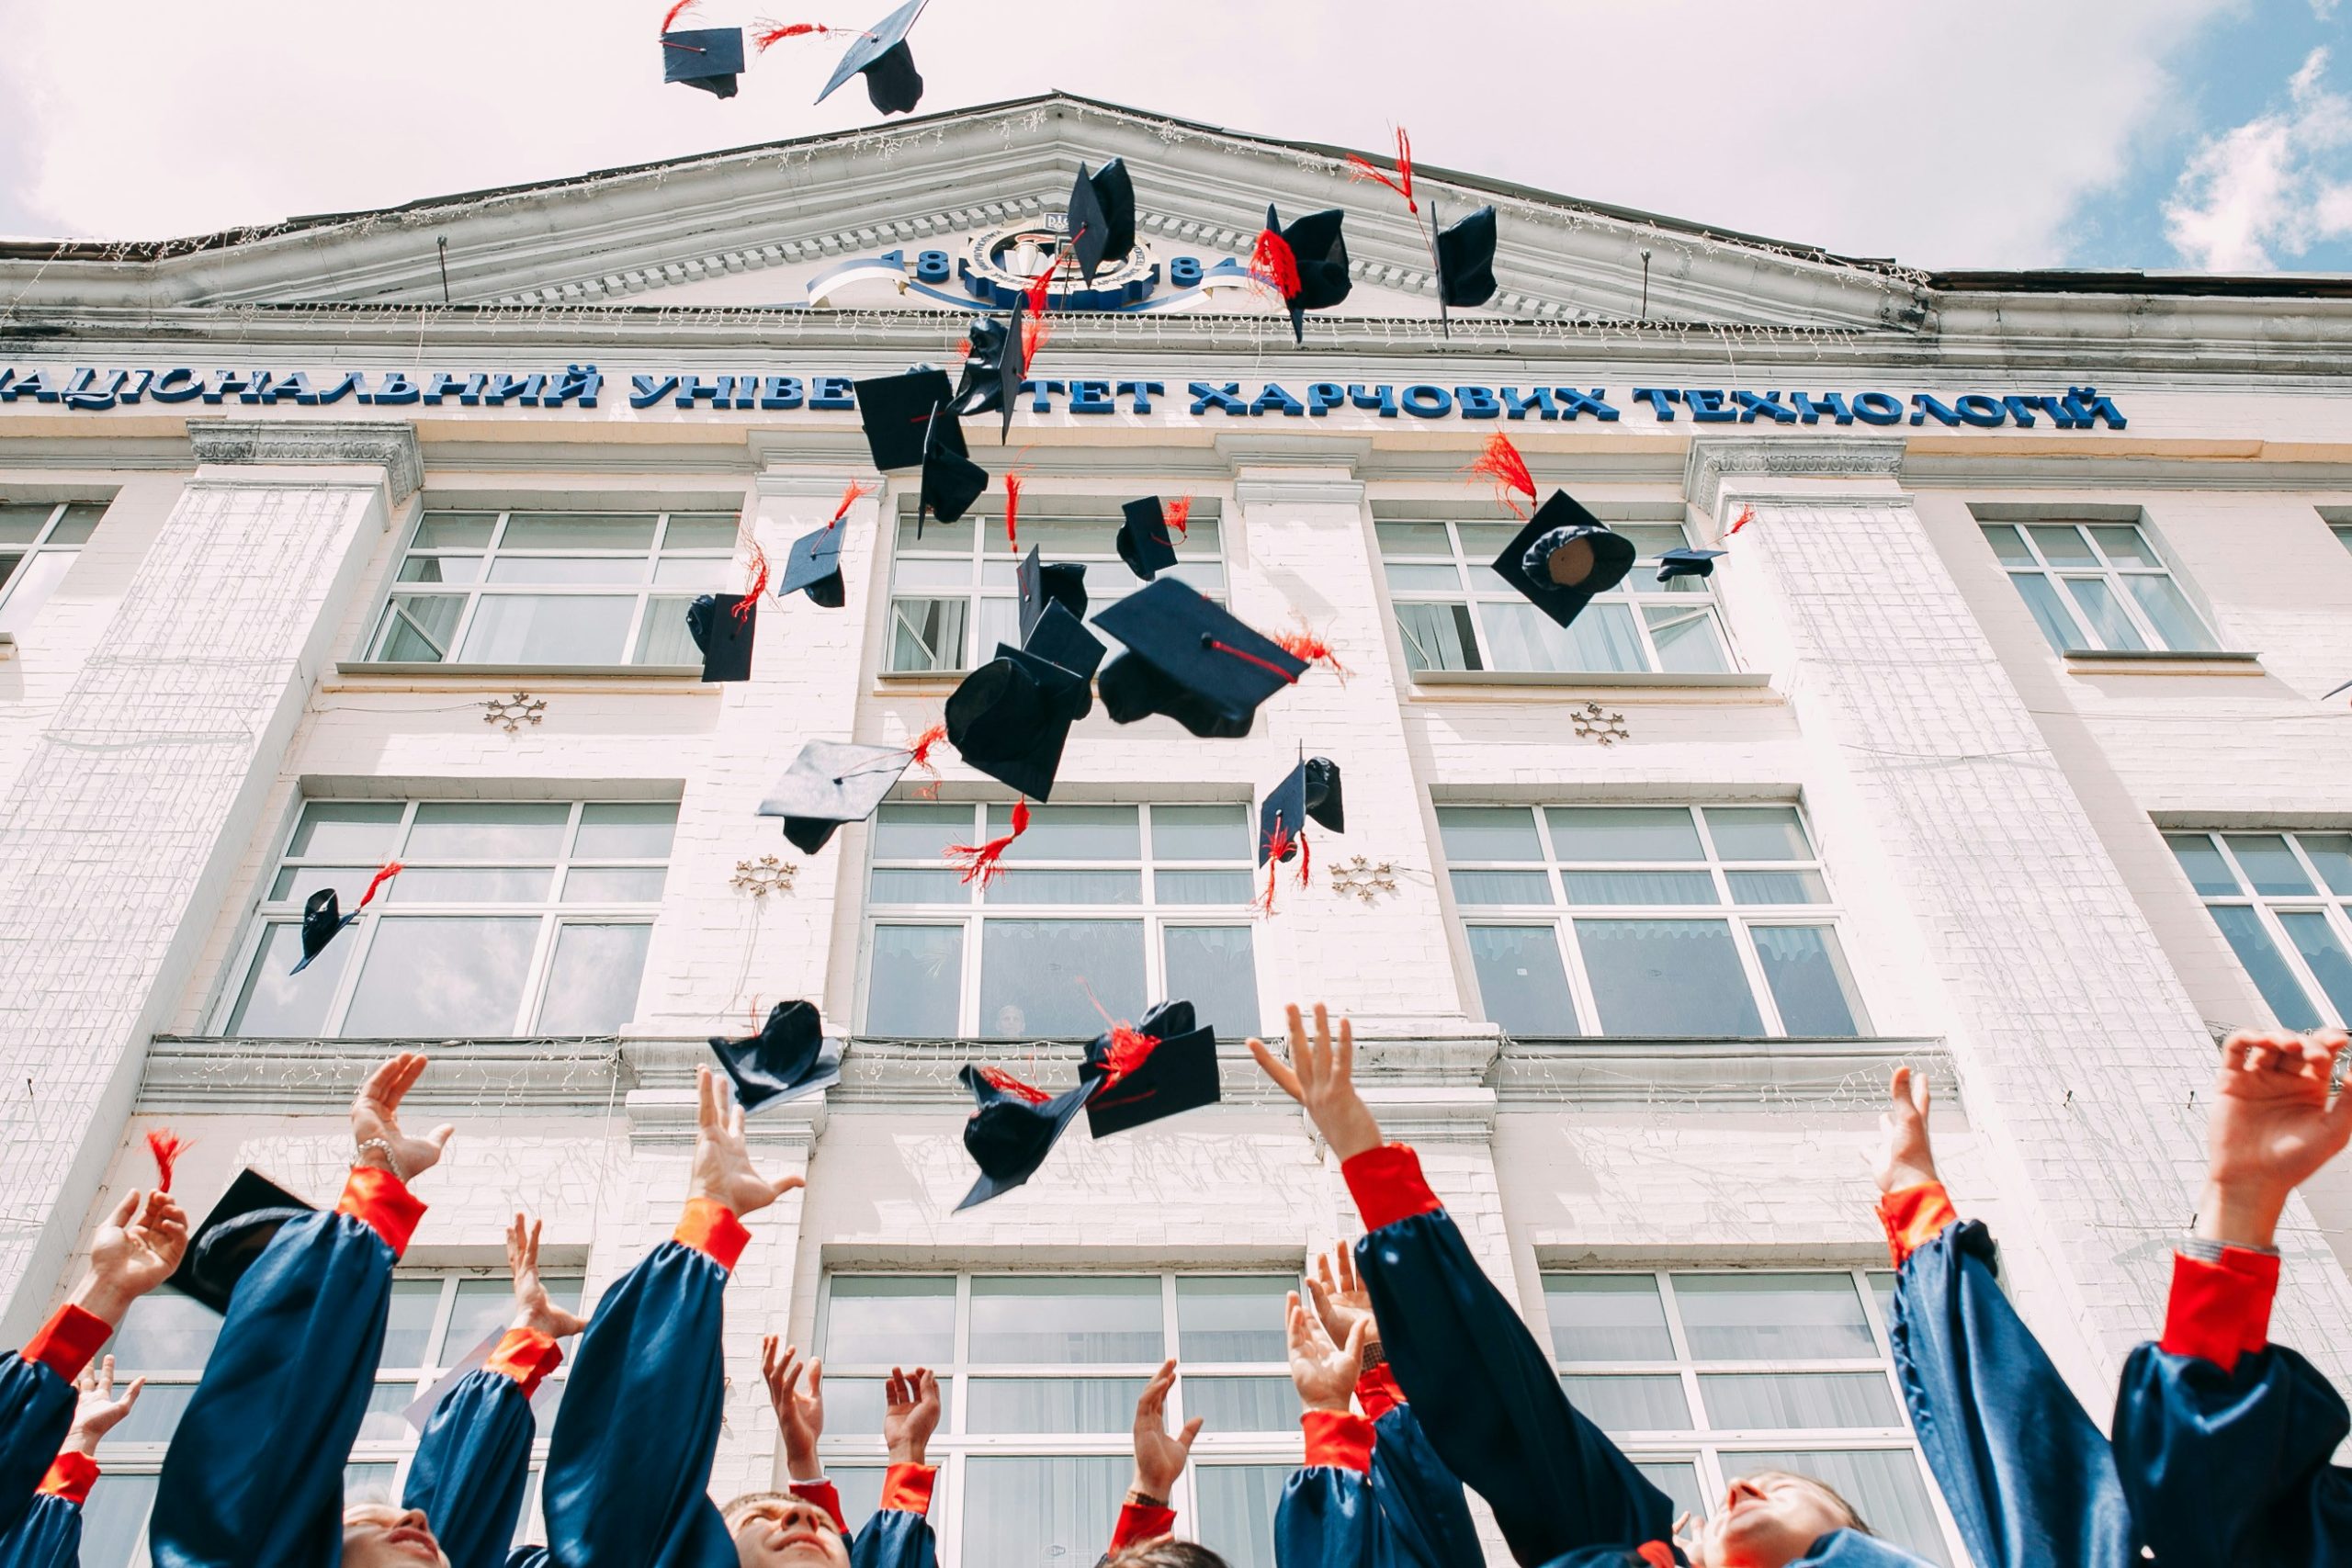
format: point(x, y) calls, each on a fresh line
point(1995, 744)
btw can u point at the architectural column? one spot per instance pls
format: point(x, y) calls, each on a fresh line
point(146, 785)
point(2079, 1056)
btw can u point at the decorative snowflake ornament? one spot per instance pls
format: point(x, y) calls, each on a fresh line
point(1363, 880)
point(765, 875)
point(513, 712)
point(1592, 724)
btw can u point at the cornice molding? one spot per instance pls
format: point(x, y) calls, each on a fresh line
point(389, 443)
point(1630, 1071)
point(1716, 458)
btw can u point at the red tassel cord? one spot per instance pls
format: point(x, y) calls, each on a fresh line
point(920, 753)
point(1278, 846)
point(1005, 1083)
point(1178, 515)
point(1746, 515)
point(1130, 1047)
point(166, 1147)
point(980, 860)
point(1272, 263)
point(758, 567)
point(389, 869)
point(1402, 182)
point(773, 32)
point(1012, 513)
point(859, 490)
point(670, 18)
point(1501, 463)
point(1304, 643)
point(1266, 664)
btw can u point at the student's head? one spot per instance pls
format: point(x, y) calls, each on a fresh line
point(776, 1530)
point(1768, 1517)
point(1165, 1552)
point(377, 1535)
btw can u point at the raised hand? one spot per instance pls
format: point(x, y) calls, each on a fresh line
point(1324, 1373)
point(376, 1122)
point(1159, 1457)
point(136, 1248)
point(799, 1411)
point(1905, 1156)
point(910, 1413)
point(2272, 1129)
point(533, 1309)
point(1323, 1079)
point(723, 1170)
point(98, 1411)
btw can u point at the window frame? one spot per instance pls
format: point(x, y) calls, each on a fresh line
point(43, 544)
point(2333, 908)
point(2107, 569)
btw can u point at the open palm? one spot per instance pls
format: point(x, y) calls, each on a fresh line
point(723, 1168)
point(376, 1118)
point(2273, 1126)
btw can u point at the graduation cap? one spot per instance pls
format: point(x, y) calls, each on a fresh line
point(815, 566)
point(951, 481)
point(991, 379)
point(1309, 793)
point(881, 53)
point(1062, 583)
point(1563, 557)
point(1102, 217)
point(1190, 661)
point(1011, 718)
point(1014, 1128)
point(1164, 1066)
point(897, 412)
point(1062, 638)
point(1144, 542)
point(831, 782)
point(1466, 259)
point(233, 1237)
point(788, 1057)
point(1306, 262)
point(1687, 563)
point(708, 58)
point(721, 626)
point(323, 917)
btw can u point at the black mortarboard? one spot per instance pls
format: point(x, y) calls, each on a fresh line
point(951, 481)
point(815, 566)
point(787, 1058)
point(1308, 793)
point(1321, 255)
point(881, 52)
point(831, 782)
point(322, 918)
point(708, 58)
point(1144, 542)
point(991, 379)
point(1010, 1134)
point(1564, 537)
point(1062, 583)
point(1178, 1074)
point(1190, 661)
point(1687, 563)
point(724, 637)
point(1466, 259)
point(232, 1237)
point(1102, 217)
point(1011, 718)
point(897, 411)
point(1062, 638)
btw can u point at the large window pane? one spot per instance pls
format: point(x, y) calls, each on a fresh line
point(855, 1407)
point(591, 985)
point(2179, 626)
point(553, 628)
point(1053, 1405)
point(2094, 597)
point(1241, 1404)
point(1232, 1317)
point(1617, 1403)
point(165, 1330)
point(1777, 887)
point(273, 1002)
point(362, 831)
point(1688, 642)
point(1066, 887)
point(419, 628)
point(1811, 986)
point(1667, 978)
point(2062, 545)
point(916, 981)
point(614, 883)
point(442, 978)
point(1072, 832)
point(891, 1320)
point(1678, 1479)
point(1781, 1317)
point(2331, 853)
point(2050, 612)
point(2207, 871)
point(901, 884)
point(1607, 1317)
point(2268, 864)
point(2322, 954)
point(538, 571)
point(1202, 887)
point(577, 531)
point(1237, 1504)
point(1759, 833)
point(1215, 968)
point(912, 832)
point(1200, 832)
point(488, 830)
point(114, 1518)
point(469, 884)
point(1488, 832)
point(1437, 636)
point(663, 638)
point(1508, 887)
point(1521, 981)
point(1883, 1485)
point(1036, 976)
point(2269, 973)
point(1638, 887)
point(1624, 833)
point(626, 830)
point(1746, 1402)
point(1065, 1320)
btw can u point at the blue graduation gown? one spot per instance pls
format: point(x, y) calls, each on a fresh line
point(48, 1536)
point(473, 1468)
point(1404, 1509)
point(36, 1410)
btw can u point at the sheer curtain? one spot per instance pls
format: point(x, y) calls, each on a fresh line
point(1671, 978)
point(1041, 1512)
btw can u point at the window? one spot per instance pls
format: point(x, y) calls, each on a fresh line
point(1703, 1377)
point(2343, 531)
point(953, 597)
point(2099, 586)
point(553, 587)
point(1039, 1375)
point(510, 918)
point(1682, 920)
point(1083, 915)
point(436, 1318)
point(1454, 613)
point(2284, 901)
point(37, 544)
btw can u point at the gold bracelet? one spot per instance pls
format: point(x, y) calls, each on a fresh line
point(1143, 1499)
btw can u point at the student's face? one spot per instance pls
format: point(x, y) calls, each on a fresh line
point(377, 1535)
point(1767, 1520)
point(785, 1532)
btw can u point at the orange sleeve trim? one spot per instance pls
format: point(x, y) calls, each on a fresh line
point(826, 1495)
point(71, 1476)
point(382, 1202)
point(711, 1228)
point(68, 1340)
point(1377, 1391)
point(1387, 1185)
point(1914, 1217)
point(527, 1356)
point(2219, 1311)
point(907, 1488)
point(1341, 1438)
point(1656, 1553)
point(1139, 1523)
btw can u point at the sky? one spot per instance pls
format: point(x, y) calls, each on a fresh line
point(2159, 134)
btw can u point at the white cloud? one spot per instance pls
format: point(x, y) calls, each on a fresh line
point(1874, 130)
point(2272, 187)
point(2323, 9)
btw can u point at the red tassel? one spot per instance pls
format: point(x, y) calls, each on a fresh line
point(980, 861)
point(674, 12)
point(1278, 845)
point(1746, 515)
point(859, 490)
point(166, 1147)
point(1012, 512)
point(1272, 263)
point(920, 753)
point(1304, 643)
point(1305, 858)
point(391, 869)
point(1178, 515)
point(759, 584)
point(1006, 1083)
point(1042, 285)
point(1363, 169)
point(1036, 332)
point(775, 34)
point(1265, 664)
point(1129, 1050)
point(1501, 463)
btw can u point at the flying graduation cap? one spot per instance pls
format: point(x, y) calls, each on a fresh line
point(1013, 1127)
point(1144, 542)
point(234, 1236)
point(1308, 793)
point(815, 568)
point(1687, 563)
point(788, 1057)
point(881, 55)
point(1060, 582)
point(1102, 217)
point(1010, 718)
point(1190, 661)
point(898, 413)
point(1563, 557)
point(834, 782)
point(323, 917)
point(991, 379)
point(722, 626)
point(1163, 1066)
point(708, 58)
point(1466, 259)
point(1306, 263)
point(951, 480)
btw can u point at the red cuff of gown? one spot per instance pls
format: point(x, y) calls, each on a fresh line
point(382, 1202)
point(907, 1488)
point(1377, 1391)
point(68, 1340)
point(1139, 1523)
point(711, 1228)
point(1914, 1217)
point(1341, 1438)
point(826, 1495)
point(527, 1356)
point(2219, 1311)
point(71, 1476)
point(1387, 1186)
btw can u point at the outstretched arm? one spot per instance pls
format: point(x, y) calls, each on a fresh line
point(1326, 1518)
point(50, 1533)
point(900, 1534)
point(1160, 1458)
